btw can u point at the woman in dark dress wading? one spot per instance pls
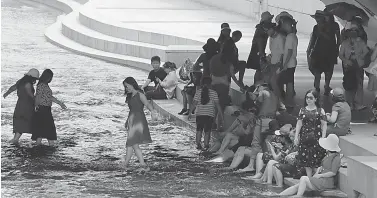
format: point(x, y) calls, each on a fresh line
point(43, 122)
point(136, 124)
point(24, 111)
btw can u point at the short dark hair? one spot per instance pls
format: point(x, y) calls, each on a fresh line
point(169, 65)
point(156, 58)
point(46, 76)
point(237, 33)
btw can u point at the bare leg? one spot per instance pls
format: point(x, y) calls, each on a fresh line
point(16, 138)
point(184, 97)
point(129, 153)
point(248, 168)
point(139, 154)
point(198, 139)
point(225, 156)
point(303, 185)
point(278, 176)
point(226, 141)
point(259, 164)
point(238, 157)
point(290, 191)
point(269, 171)
point(309, 171)
point(207, 137)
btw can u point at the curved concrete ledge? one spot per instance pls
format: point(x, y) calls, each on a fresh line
point(119, 30)
point(72, 29)
point(65, 6)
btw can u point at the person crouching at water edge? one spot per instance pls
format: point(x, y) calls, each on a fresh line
point(136, 124)
point(324, 177)
point(207, 105)
point(24, 111)
point(43, 122)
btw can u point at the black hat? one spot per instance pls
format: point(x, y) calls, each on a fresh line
point(211, 45)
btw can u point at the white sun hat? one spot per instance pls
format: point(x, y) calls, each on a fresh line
point(331, 143)
point(33, 73)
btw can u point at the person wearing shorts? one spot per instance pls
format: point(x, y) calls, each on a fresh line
point(207, 104)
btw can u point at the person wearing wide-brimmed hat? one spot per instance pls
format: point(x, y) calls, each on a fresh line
point(322, 51)
point(325, 175)
point(340, 117)
point(258, 47)
point(24, 111)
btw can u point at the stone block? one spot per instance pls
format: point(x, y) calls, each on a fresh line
point(179, 53)
point(362, 176)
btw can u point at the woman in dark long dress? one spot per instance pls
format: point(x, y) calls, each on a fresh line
point(311, 125)
point(24, 111)
point(43, 122)
point(136, 124)
point(324, 50)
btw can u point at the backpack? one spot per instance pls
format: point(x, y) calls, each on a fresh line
point(184, 71)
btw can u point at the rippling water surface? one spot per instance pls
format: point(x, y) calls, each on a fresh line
point(91, 137)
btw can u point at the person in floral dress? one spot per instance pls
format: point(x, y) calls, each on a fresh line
point(311, 126)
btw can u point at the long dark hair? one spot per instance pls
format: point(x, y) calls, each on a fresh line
point(316, 96)
point(206, 82)
point(131, 81)
point(46, 76)
point(24, 80)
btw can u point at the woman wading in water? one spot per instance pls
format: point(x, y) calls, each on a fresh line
point(136, 124)
point(24, 111)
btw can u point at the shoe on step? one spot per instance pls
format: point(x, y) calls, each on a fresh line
point(183, 111)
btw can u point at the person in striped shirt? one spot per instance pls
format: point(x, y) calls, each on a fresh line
point(207, 106)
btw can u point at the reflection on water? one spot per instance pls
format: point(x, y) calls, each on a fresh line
point(91, 137)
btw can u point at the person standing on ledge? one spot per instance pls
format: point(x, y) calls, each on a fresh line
point(258, 47)
point(24, 111)
point(224, 36)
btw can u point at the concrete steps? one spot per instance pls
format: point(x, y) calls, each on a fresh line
point(116, 29)
point(54, 35)
point(72, 29)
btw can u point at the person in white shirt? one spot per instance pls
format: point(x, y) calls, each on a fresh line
point(275, 59)
point(286, 73)
point(165, 88)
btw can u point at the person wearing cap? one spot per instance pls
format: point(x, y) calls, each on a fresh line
point(24, 111)
point(165, 88)
point(322, 51)
point(224, 36)
point(352, 53)
point(258, 46)
point(324, 178)
point(340, 117)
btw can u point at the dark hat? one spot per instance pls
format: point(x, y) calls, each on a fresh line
point(318, 14)
point(268, 25)
point(211, 45)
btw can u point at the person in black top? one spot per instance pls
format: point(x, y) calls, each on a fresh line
point(239, 66)
point(258, 47)
point(224, 35)
point(157, 72)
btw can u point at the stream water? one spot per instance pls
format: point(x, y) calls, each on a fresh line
point(91, 135)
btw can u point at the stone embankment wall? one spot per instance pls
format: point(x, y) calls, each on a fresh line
point(300, 9)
